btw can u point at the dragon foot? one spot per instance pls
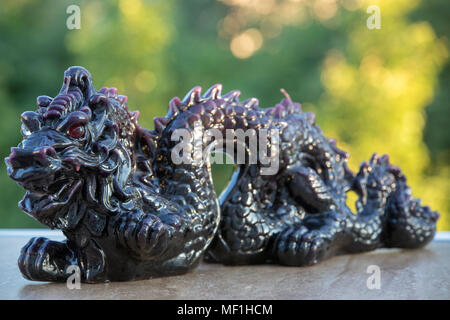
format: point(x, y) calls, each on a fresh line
point(42, 259)
point(310, 242)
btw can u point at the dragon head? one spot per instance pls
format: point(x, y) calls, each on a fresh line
point(78, 150)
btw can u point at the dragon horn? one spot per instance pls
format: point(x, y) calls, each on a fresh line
point(193, 96)
point(251, 103)
point(160, 123)
point(174, 105)
point(214, 92)
point(232, 96)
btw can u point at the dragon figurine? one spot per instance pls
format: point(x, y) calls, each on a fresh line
point(130, 212)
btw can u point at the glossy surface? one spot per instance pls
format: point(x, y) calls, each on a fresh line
point(129, 212)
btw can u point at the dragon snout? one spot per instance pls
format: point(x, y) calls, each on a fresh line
point(26, 164)
point(20, 158)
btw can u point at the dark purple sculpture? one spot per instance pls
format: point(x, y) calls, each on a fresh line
point(129, 212)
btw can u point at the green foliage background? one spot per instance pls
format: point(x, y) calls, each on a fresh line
point(383, 90)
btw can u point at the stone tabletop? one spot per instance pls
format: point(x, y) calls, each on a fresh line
point(403, 274)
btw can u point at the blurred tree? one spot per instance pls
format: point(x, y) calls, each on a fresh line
point(123, 43)
point(387, 77)
point(369, 88)
point(436, 12)
point(32, 58)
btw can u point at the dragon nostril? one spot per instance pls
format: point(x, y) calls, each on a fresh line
point(41, 157)
point(13, 157)
point(20, 158)
point(50, 152)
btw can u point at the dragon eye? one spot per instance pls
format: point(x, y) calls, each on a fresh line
point(77, 131)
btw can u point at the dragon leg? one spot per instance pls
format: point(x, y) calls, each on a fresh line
point(144, 235)
point(317, 237)
point(307, 187)
point(148, 236)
